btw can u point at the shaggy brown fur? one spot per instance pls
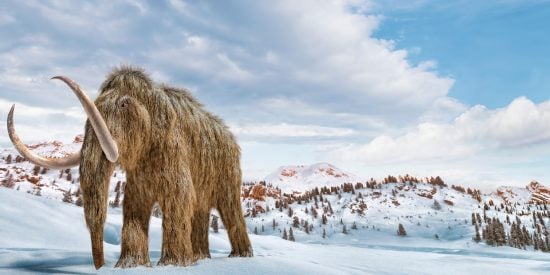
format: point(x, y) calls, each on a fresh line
point(175, 153)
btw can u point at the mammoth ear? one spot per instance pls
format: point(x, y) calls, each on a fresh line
point(164, 118)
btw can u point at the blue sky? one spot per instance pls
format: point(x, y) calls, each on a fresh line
point(457, 89)
point(494, 49)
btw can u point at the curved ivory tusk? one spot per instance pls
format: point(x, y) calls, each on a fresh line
point(52, 163)
point(108, 144)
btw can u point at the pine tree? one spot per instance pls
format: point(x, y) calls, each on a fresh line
point(436, 205)
point(8, 182)
point(36, 170)
point(67, 196)
point(255, 230)
point(78, 201)
point(291, 235)
point(285, 236)
point(324, 233)
point(477, 238)
point(274, 224)
point(214, 223)
point(314, 212)
point(401, 230)
point(489, 235)
point(296, 222)
point(478, 218)
point(116, 202)
point(354, 226)
point(344, 230)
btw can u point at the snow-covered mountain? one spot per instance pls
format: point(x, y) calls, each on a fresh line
point(304, 177)
point(317, 204)
point(19, 174)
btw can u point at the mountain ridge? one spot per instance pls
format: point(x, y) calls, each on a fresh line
point(287, 178)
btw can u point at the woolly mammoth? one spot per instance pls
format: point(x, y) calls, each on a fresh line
point(175, 153)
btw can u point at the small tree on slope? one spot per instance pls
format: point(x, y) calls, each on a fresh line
point(401, 231)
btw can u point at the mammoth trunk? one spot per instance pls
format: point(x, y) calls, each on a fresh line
point(95, 171)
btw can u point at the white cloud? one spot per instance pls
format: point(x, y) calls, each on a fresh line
point(296, 110)
point(36, 124)
point(199, 55)
point(333, 47)
point(289, 130)
point(477, 130)
point(319, 52)
point(101, 19)
point(443, 110)
point(5, 18)
point(231, 69)
point(286, 74)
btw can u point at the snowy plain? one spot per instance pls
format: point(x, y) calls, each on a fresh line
point(40, 235)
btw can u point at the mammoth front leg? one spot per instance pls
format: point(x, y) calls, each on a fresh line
point(137, 207)
point(94, 199)
point(177, 205)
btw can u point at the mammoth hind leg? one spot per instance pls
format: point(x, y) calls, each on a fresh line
point(135, 238)
point(232, 217)
point(199, 237)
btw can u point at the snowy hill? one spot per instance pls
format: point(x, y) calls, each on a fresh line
point(19, 174)
point(48, 236)
point(303, 177)
point(326, 211)
point(334, 218)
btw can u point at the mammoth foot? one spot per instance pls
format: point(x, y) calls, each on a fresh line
point(201, 255)
point(132, 261)
point(244, 253)
point(177, 261)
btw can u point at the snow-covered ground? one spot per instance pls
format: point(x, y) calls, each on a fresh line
point(44, 235)
point(40, 233)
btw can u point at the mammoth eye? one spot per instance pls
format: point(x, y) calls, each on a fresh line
point(124, 103)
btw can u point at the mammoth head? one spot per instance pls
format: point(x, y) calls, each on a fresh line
point(120, 119)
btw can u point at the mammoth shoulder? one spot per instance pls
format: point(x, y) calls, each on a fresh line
point(180, 94)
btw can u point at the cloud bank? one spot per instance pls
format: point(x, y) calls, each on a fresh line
point(283, 75)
